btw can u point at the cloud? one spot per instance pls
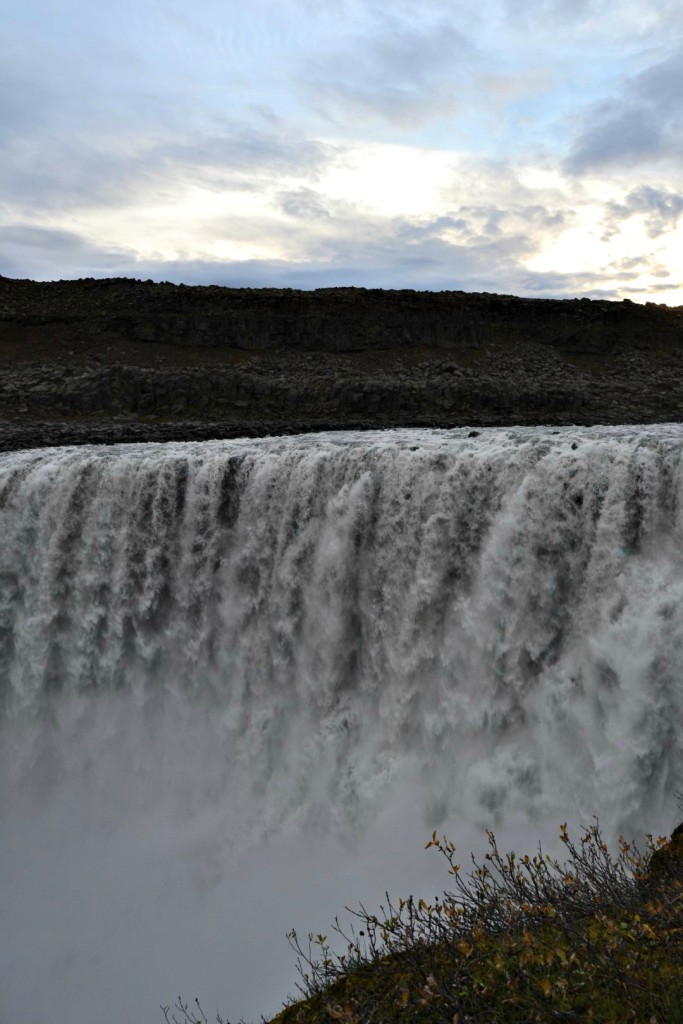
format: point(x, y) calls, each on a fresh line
point(47, 172)
point(645, 123)
point(404, 75)
point(620, 133)
point(483, 248)
point(633, 267)
point(305, 203)
point(21, 103)
point(498, 234)
point(245, 149)
point(51, 253)
point(661, 211)
point(480, 248)
point(311, 137)
point(533, 11)
point(611, 18)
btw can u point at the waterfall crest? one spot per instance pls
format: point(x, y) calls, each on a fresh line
point(501, 611)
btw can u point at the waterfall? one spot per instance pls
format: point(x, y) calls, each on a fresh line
point(219, 652)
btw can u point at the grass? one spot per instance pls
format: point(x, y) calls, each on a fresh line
point(514, 941)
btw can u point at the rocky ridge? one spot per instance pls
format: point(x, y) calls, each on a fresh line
point(118, 359)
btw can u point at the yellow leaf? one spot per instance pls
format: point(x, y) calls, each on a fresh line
point(546, 986)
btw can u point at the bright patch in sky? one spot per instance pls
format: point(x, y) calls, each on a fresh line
point(532, 148)
point(390, 180)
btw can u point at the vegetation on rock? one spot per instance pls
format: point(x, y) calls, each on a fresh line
point(515, 940)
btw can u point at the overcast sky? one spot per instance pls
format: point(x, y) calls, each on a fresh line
point(525, 146)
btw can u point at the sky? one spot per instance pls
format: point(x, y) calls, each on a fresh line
point(529, 147)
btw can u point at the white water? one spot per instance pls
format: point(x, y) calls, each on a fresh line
point(243, 680)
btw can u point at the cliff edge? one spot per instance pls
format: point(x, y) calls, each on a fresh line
point(119, 359)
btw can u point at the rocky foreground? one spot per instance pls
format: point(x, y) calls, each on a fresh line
point(119, 360)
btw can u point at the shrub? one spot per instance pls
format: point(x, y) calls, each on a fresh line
point(515, 940)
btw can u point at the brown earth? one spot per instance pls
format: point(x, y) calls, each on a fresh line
point(118, 359)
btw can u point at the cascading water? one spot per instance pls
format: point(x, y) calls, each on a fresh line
point(242, 680)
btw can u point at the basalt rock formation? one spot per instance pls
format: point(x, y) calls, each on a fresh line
point(119, 359)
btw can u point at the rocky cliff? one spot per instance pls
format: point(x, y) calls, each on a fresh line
point(122, 359)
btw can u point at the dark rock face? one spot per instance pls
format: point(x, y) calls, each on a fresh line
point(121, 360)
point(666, 864)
